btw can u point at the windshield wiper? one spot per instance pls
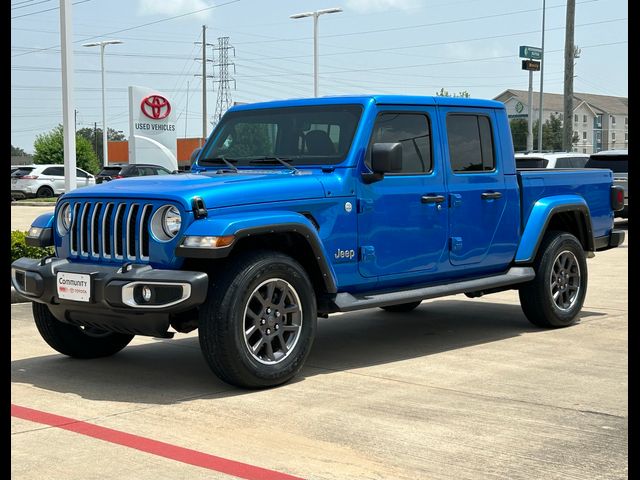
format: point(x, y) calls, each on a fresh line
point(270, 159)
point(222, 159)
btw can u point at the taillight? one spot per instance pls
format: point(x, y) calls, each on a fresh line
point(28, 177)
point(617, 198)
point(117, 176)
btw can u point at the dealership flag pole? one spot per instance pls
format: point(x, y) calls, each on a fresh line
point(69, 137)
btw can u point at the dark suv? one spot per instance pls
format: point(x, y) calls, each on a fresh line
point(123, 170)
point(618, 162)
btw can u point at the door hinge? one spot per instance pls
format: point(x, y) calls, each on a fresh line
point(455, 244)
point(365, 205)
point(367, 253)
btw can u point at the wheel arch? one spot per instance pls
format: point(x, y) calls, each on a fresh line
point(566, 213)
point(294, 235)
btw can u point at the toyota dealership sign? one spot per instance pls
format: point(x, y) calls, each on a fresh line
point(152, 127)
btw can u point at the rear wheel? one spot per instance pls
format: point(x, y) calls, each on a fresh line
point(74, 341)
point(402, 307)
point(44, 192)
point(555, 297)
point(258, 323)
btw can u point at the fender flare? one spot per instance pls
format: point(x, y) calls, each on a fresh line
point(251, 225)
point(541, 214)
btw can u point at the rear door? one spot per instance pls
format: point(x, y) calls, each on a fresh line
point(480, 233)
point(55, 178)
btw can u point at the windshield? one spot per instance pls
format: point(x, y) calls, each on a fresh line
point(309, 135)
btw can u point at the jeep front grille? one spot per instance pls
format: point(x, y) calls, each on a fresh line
point(115, 231)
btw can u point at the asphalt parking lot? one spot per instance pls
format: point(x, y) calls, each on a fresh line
point(457, 389)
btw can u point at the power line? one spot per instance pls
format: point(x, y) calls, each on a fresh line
point(47, 10)
point(136, 26)
point(28, 6)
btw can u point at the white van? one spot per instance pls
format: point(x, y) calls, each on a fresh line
point(551, 160)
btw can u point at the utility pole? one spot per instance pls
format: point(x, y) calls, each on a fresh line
point(95, 136)
point(530, 115)
point(224, 100)
point(204, 81)
point(186, 115)
point(569, 52)
point(69, 141)
point(75, 120)
point(541, 82)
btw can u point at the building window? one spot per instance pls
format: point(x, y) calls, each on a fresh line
point(626, 121)
point(584, 150)
point(584, 119)
point(584, 135)
point(575, 133)
point(613, 136)
point(613, 120)
point(575, 118)
point(626, 137)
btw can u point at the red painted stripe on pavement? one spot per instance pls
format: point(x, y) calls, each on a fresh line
point(184, 455)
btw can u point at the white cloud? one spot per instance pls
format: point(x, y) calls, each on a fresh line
point(381, 5)
point(173, 7)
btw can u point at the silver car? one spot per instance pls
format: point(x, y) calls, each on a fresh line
point(44, 181)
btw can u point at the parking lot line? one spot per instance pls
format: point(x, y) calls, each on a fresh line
point(166, 450)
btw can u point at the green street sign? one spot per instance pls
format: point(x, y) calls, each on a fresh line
point(533, 53)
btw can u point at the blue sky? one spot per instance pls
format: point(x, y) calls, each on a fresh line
point(373, 46)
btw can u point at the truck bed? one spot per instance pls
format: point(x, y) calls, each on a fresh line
point(592, 184)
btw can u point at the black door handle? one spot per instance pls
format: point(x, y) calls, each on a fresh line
point(432, 198)
point(491, 195)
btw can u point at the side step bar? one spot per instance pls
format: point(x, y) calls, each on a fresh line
point(345, 302)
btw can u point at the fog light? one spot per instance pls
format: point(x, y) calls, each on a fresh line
point(146, 293)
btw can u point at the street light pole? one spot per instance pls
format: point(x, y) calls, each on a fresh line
point(540, 105)
point(315, 16)
point(103, 44)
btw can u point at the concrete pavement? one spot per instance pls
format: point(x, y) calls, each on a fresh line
point(460, 388)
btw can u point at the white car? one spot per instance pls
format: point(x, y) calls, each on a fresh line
point(551, 160)
point(43, 181)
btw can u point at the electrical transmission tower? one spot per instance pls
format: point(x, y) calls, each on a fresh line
point(223, 78)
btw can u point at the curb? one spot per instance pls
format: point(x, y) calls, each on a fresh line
point(17, 298)
point(33, 204)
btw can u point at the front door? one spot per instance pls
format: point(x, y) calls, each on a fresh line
point(402, 219)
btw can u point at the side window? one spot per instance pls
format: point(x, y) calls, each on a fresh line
point(411, 130)
point(470, 143)
point(564, 163)
point(80, 173)
point(55, 171)
point(161, 171)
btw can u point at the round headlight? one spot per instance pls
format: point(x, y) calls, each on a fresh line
point(64, 219)
point(171, 221)
point(165, 223)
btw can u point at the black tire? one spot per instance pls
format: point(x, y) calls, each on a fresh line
point(237, 303)
point(561, 271)
point(75, 341)
point(44, 192)
point(402, 307)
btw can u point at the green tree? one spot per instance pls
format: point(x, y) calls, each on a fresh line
point(17, 152)
point(519, 134)
point(445, 93)
point(94, 137)
point(551, 134)
point(49, 148)
point(249, 139)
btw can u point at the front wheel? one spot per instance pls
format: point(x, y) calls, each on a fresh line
point(258, 323)
point(78, 342)
point(555, 297)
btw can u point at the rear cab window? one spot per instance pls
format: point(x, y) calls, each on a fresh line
point(470, 140)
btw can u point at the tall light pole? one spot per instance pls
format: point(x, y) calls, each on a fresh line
point(102, 44)
point(66, 43)
point(315, 16)
point(541, 83)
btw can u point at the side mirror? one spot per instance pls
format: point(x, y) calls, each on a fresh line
point(385, 158)
point(194, 155)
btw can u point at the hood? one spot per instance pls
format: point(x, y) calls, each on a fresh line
point(217, 190)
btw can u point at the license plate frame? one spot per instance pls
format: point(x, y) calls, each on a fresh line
point(72, 286)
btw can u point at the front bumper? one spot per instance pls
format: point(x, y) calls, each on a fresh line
point(116, 302)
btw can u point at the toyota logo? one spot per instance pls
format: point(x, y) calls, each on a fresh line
point(155, 107)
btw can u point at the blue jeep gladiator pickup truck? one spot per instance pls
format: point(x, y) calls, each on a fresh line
point(296, 209)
